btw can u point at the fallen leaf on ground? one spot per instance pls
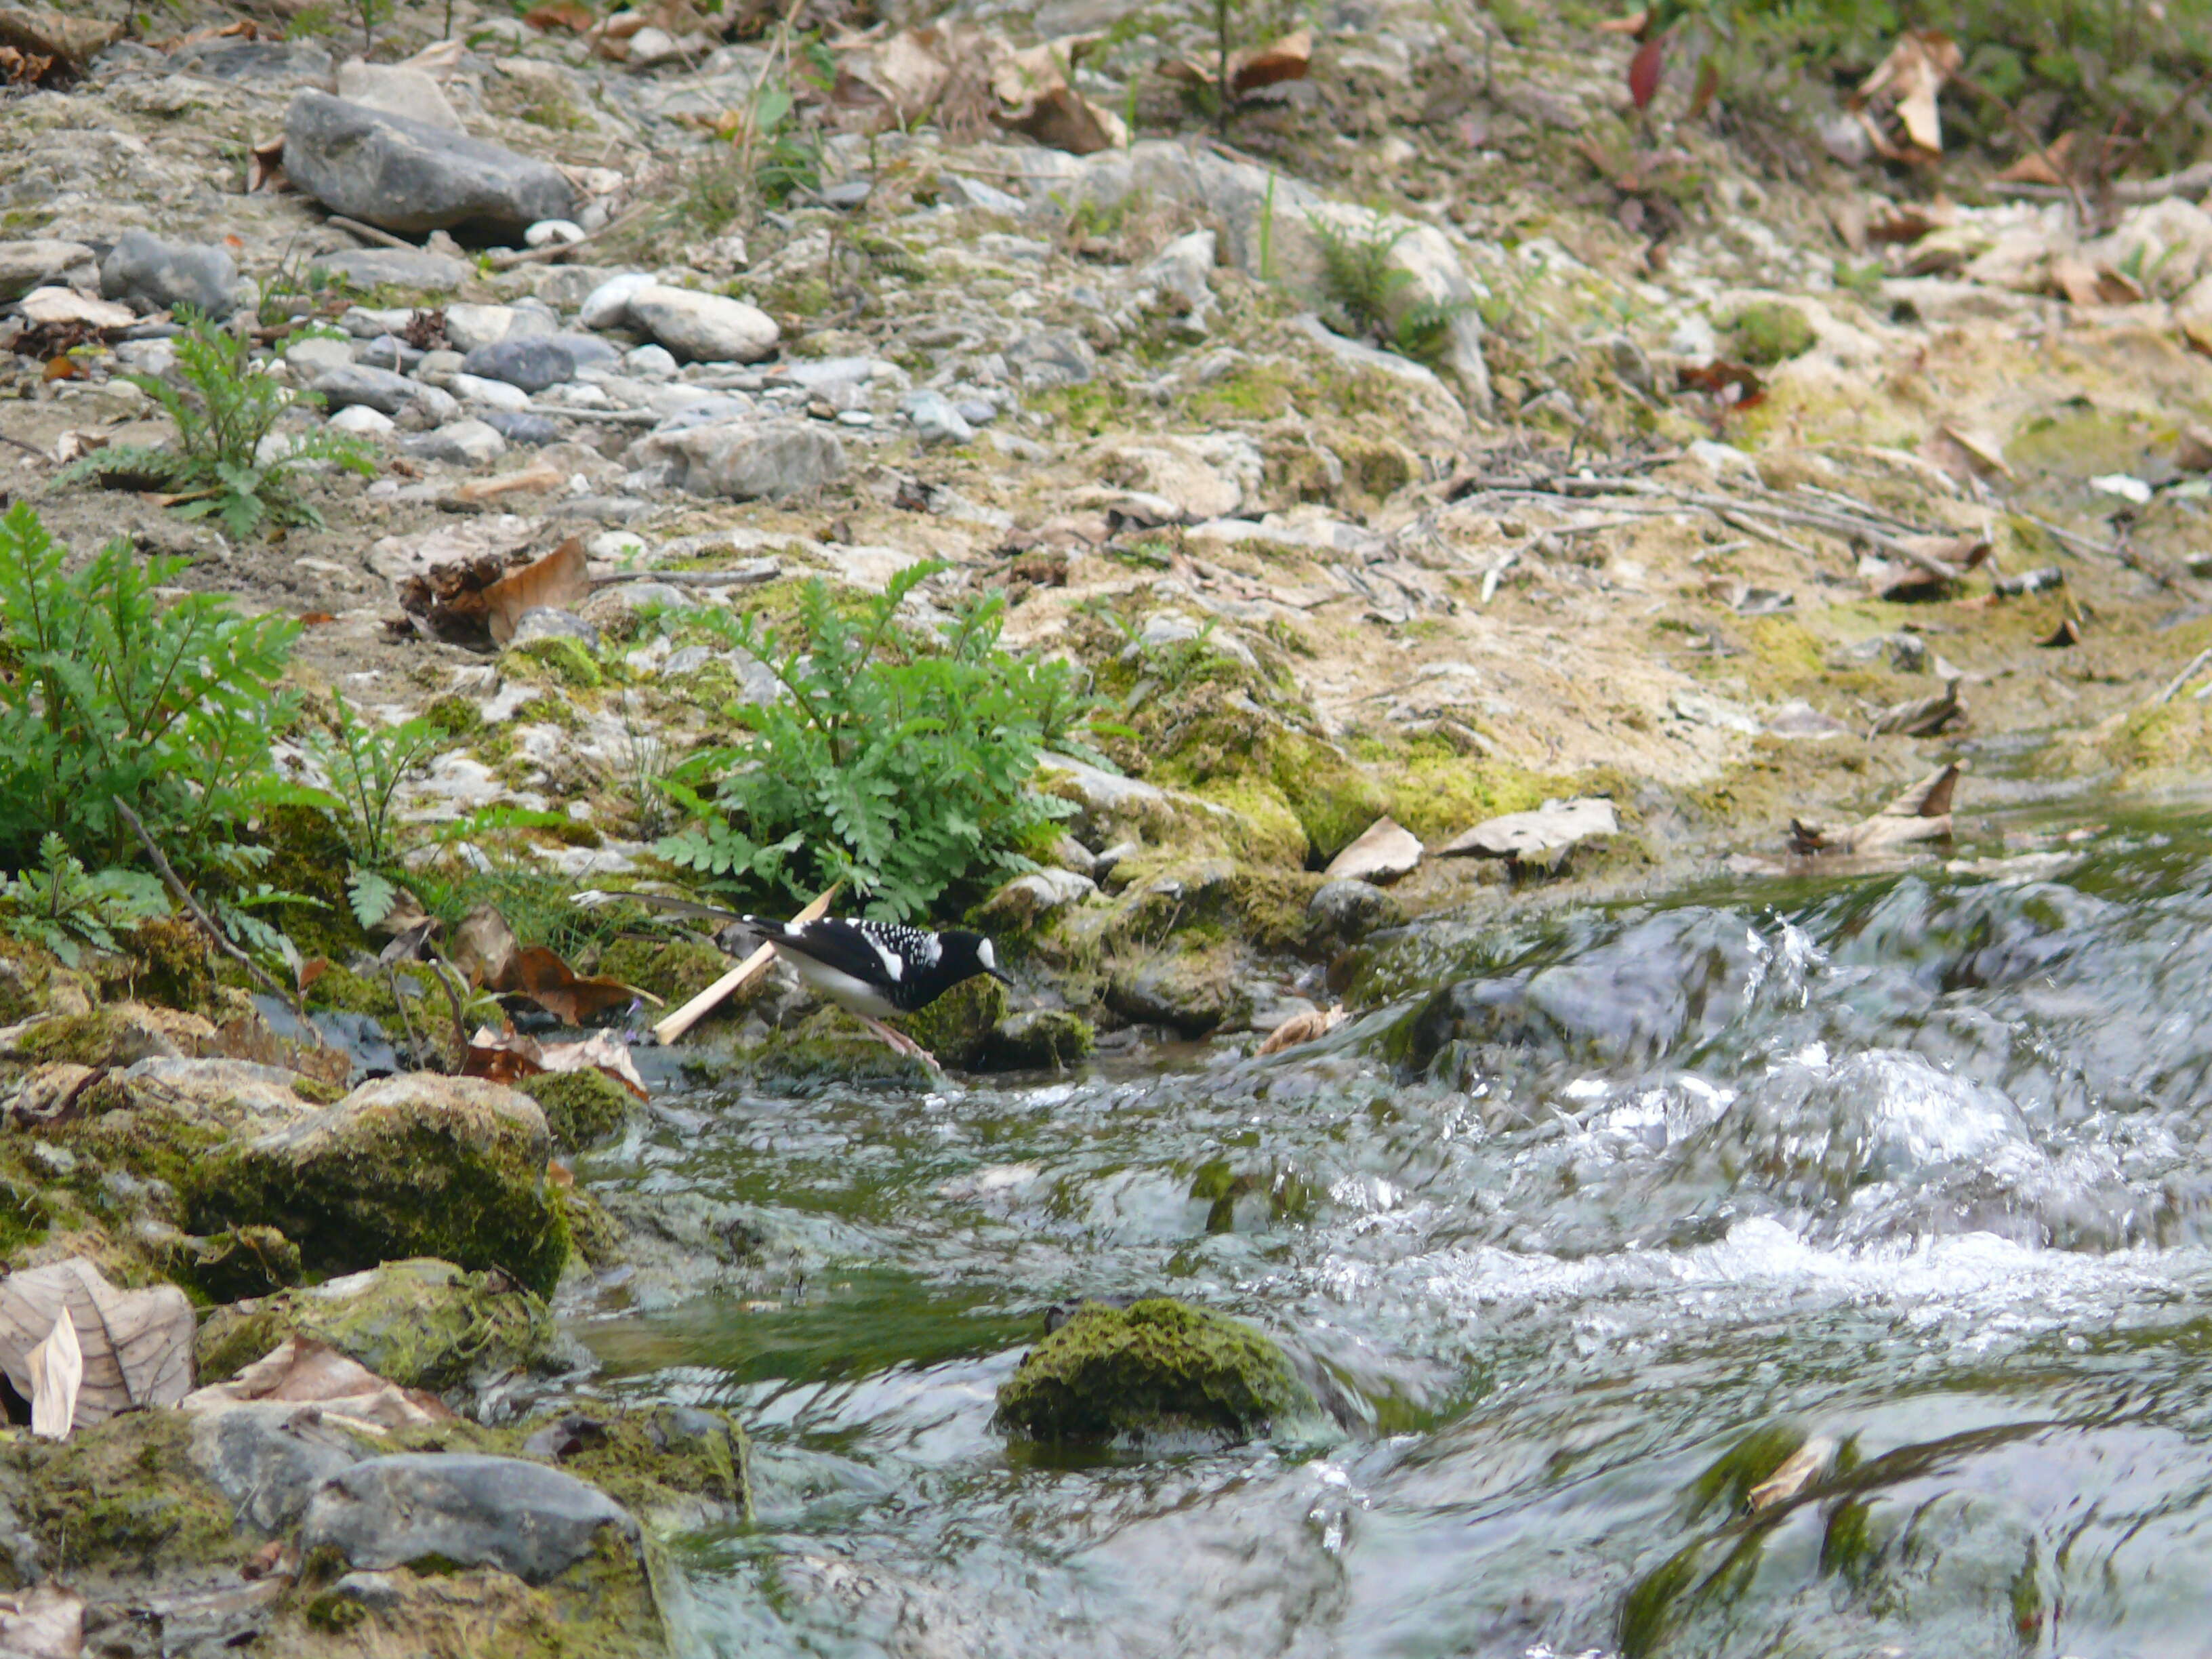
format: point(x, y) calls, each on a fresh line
point(1922, 813)
point(1287, 59)
point(135, 1346)
point(509, 1056)
point(1985, 451)
point(559, 580)
point(1732, 386)
point(302, 1371)
point(265, 166)
point(485, 947)
point(1921, 717)
point(569, 14)
point(1908, 81)
point(74, 40)
point(2042, 166)
point(539, 973)
point(57, 1368)
point(1301, 1028)
point(2082, 283)
point(47, 1622)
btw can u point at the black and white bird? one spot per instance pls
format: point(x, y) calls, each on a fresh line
point(872, 970)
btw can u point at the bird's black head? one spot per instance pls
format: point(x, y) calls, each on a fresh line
point(968, 954)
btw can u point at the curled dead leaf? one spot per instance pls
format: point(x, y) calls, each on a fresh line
point(559, 580)
point(1907, 83)
point(1301, 1028)
point(1794, 1472)
point(1922, 813)
point(134, 1346)
point(57, 1368)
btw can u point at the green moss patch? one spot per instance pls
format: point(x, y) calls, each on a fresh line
point(424, 1324)
point(1157, 1366)
point(124, 1500)
point(581, 1108)
point(1772, 332)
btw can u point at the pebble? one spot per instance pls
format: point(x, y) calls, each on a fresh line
point(934, 420)
point(377, 388)
point(546, 231)
point(439, 367)
point(524, 428)
point(543, 622)
point(651, 362)
point(490, 394)
point(607, 306)
point(470, 326)
point(463, 443)
point(313, 355)
point(532, 363)
point(157, 275)
point(361, 420)
point(704, 327)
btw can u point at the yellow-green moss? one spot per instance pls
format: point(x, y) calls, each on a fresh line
point(566, 661)
point(582, 1108)
point(675, 970)
point(423, 1324)
point(1769, 332)
point(125, 1500)
point(1159, 1366)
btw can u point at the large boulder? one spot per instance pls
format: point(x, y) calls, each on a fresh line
point(422, 1324)
point(459, 1509)
point(410, 176)
point(406, 1166)
point(1157, 1366)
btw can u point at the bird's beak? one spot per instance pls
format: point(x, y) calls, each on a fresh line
point(1003, 979)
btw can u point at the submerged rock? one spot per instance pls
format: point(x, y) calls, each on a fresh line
point(407, 1166)
point(1158, 1365)
point(422, 1323)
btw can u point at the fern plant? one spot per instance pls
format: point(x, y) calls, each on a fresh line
point(897, 762)
point(1363, 289)
point(365, 766)
point(112, 693)
point(226, 406)
point(56, 903)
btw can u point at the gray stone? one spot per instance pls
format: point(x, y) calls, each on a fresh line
point(395, 267)
point(439, 367)
point(651, 362)
point(157, 275)
point(471, 326)
point(743, 459)
point(934, 420)
point(1184, 268)
point(543, 622)
point(1342, 912)
point(1052, 356)
point(522, 428)
point(269, 1458)
point(483, 394)
point(464, 443)
point(317, 354)
point(357, 418)
point(587, 350)
point(397, 90)
point(607, 306)
point(531, 361)
point(390, 351)
point(1037, 894)
point(268, 65)
point(406, 175)
point(848, 193)
point(35, 263)
point(704, 327)
point(521, 1518)
point(976, 411)
point(378, 388)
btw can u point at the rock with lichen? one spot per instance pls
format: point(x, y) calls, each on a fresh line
point(582, 1108)
point(1157, 1366)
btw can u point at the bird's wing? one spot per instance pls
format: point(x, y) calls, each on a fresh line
point(837, 944)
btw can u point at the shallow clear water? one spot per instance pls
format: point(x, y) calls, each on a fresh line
point(1593, 1218)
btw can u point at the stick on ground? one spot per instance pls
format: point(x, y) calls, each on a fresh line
point(207, 922)
point(737, 979)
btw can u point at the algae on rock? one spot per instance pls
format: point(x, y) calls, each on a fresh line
point(1158, 1365)
point(422, 1323)
point(582, 1108)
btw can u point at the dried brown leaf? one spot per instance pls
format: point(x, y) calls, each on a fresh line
point(135, 1346)
point(46, 1622)
point(57, 1368)
point(1301, 1028)
point(558, 580)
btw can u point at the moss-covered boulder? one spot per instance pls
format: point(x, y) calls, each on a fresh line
point(1038, 1039)
point(677, 1468)
point(124, 1502)
point(1193, 986)
point(828, 1050)
point(424, 1324)
point(408, 1166)
point(581, 1108)
point(1157, 1366)
point(958, 1026)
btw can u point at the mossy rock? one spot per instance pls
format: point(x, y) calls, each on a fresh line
point(680, 1466)
point(581, 1108)
point(1769, 332)
point(169, 961)
point(407, 1166)
point(423, 1324)
point(958, 1026)
point(1037, 1039)
point(238, 1263)
point(1193, 987)
point(825, 1050)
point(1157, 1366)
point(125, 1500)
point(676, 970)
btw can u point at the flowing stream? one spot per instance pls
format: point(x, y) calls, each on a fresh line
point(1589, 1219)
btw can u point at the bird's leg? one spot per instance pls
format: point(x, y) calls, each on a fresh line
point(900, 1042)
